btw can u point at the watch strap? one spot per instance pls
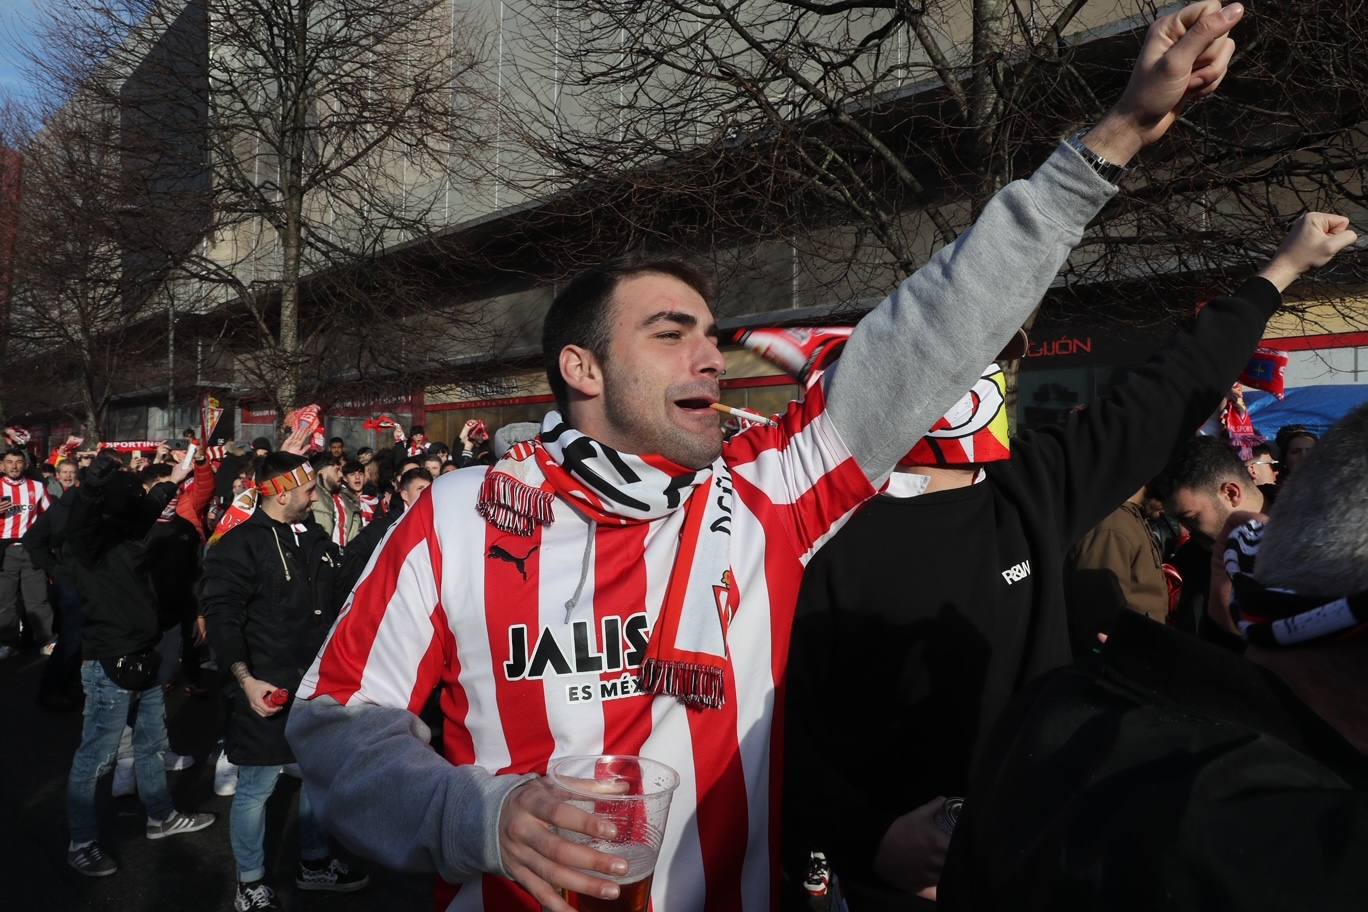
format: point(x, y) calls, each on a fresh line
point(1108, 171)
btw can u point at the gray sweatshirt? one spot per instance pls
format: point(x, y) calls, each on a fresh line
point(370, 772)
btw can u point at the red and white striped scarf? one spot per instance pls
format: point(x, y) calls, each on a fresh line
point(369, 504)
point(339, 532)
point(687, 654)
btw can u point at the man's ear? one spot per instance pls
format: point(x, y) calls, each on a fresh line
point(582, 371)
point(1233, 494)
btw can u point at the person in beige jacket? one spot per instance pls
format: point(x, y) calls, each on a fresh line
point(1117, 566)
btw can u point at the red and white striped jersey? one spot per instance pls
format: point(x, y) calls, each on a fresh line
point(28, 501)
point(536, 643)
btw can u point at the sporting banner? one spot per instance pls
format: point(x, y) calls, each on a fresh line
point(210, 413)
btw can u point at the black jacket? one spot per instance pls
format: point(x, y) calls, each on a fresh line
point(103, 550)
point(922, 617)
point(266, 593)
point(44, 539)
point(1163, 774)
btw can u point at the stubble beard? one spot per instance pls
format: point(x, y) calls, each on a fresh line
point(624, 407)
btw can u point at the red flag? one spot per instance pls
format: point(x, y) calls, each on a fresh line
point(1266, 371)
point(381, 423)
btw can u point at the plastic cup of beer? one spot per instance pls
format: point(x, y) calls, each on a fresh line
point(634, 794)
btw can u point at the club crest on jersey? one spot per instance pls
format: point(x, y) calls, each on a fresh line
point(722, 593)
point(574, 649)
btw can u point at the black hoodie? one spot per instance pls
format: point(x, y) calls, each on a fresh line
point(923, 616)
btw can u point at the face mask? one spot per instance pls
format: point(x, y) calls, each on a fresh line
point(973, 431)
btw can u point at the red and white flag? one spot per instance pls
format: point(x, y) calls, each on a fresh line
point(210, 413)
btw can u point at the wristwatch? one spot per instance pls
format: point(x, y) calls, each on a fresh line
point(1109, 172)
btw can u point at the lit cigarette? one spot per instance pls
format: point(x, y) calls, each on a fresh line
point(744, 415)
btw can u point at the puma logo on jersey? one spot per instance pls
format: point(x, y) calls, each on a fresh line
point(1017, 572)
point(498, 553)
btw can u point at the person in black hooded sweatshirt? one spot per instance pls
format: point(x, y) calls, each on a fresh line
point(105, 553)
point(929, 610)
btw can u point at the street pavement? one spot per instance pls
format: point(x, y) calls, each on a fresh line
point(194, 872)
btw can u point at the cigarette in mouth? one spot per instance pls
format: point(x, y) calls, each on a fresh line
point(744, 415)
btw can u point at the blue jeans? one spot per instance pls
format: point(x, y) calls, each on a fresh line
point(107, 707)
point(247, 823)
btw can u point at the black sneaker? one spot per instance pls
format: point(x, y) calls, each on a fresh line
point(91, 860)
point(331, 874)
point(255, 896)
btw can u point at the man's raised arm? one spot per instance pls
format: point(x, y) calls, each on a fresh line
point(918, 351)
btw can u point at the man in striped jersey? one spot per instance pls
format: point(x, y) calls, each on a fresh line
point(631, 587)
point(22, 501)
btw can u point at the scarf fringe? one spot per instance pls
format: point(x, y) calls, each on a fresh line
point(701, 686)
point(513, 506)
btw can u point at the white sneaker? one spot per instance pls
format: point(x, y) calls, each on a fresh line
point(125, 783)
point(175, 761)
point(225, 776)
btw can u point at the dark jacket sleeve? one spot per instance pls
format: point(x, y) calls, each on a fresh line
point(39, 542)
point(1103, 454)
point(228, 586)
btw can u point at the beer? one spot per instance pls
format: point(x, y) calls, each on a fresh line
point(634, 897)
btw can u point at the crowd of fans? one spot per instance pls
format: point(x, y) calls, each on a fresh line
point(109, 572)
point(899, 657)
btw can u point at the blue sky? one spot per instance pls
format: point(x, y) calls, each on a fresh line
point(16, 24)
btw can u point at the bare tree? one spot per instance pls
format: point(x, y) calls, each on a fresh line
point(284, 146)
point(77, 333)
point(864, 133)
point(12, 137)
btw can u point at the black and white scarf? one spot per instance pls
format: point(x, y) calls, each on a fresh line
point(1269, 616)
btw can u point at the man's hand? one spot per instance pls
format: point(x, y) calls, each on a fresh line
point(1184, 58)
point(544, 863)
point(1314, 240)
point(201, 630)
point(257, 691)
point(465, 432)
point(912, 852)
point(298, 441)
point(179, 472)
